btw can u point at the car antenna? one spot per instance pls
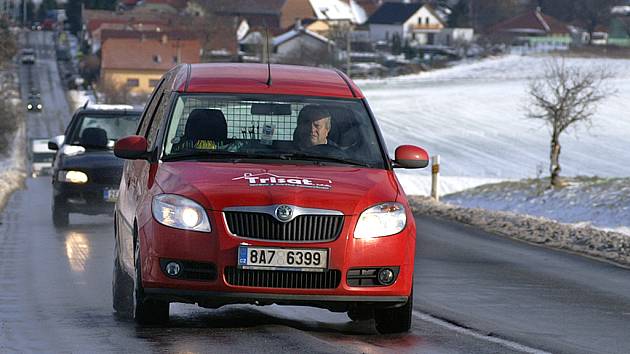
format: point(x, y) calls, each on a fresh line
point(268, 56)
point(86, 103)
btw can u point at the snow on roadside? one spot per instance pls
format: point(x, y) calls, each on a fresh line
point(13, 166)
point(585, 240)
point(603, 203)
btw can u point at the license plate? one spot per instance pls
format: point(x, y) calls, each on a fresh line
point(110, 195)
point(301, 259)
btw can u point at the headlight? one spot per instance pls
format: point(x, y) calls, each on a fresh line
point(39, 106)
point(72, 150)
point(29, 106)
point(72, 177)
point(179, 212)
point(381, 220)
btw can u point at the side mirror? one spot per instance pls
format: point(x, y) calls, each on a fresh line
point(409, 156)
point(56, 142)
point(133, 147)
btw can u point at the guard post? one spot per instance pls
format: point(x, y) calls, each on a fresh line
point(435, 174)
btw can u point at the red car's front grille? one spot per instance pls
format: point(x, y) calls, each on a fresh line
point(328, 279)
point(304, 228)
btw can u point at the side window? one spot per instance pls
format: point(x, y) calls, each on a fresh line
point(148, 112)
point(157, 119)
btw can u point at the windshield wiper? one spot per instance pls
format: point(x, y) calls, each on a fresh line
point(190, 155)
point(320, 158)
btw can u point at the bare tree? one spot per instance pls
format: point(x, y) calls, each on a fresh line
point(112, 92)
point(566, 96)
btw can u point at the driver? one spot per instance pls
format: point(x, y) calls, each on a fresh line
point(313, 126)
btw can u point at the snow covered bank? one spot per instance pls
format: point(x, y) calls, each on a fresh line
point(585, 240)
point(13, 166)
point(603, 203)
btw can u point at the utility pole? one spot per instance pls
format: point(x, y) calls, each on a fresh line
point(348, 48)
point(24, 13)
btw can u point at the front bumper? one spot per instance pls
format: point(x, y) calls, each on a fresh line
point(85, 198)
point(220, 249)
point(215, 299)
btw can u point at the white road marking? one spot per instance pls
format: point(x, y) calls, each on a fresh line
point(468, 332)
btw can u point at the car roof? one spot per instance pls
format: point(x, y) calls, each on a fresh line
point(109, 112)
point(252, 78)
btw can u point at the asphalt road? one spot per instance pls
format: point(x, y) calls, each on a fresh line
point(56, 296)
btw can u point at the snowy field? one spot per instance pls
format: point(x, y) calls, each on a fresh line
point(473, 116)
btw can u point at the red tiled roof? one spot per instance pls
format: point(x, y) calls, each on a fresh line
point(134, 50)
point(177, 4)
point(532, 22)
point(95, 18)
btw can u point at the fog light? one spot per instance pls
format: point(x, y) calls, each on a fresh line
point(385, 276)
point(173, 269)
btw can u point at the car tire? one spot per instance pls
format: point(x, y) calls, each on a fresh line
point(122, 285)
point(60, 216)
point(146, 311)
point(394, 320)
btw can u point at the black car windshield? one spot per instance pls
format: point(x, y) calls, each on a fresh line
point(239, 127)
point(98, 128)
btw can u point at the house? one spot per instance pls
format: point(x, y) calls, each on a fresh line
point(138, 59)
point(533, 29)
point(619, 31)
point(323, 12)
point(167, 6)
point(599, 35)
point(258, 13)
point(407, 21)
point(303, 47)
point(94, 21)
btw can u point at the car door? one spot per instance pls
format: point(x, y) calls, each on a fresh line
point(131, 185)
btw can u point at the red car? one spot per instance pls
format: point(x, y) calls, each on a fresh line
point(256, 184)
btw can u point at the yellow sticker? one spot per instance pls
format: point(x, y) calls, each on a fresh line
point(205, 145)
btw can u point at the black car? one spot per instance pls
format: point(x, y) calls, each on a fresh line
point(86, 174)
point(34, 102)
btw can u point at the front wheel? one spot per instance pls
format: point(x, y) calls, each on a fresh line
point(146, 311)
point(394, 320)
point(122, 284)
point(61, 216)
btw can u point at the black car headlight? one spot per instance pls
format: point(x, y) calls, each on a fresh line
point(72, 176)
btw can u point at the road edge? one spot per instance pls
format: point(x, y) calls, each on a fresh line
point(607, 246)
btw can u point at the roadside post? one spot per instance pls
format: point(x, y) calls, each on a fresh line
point(435, 174)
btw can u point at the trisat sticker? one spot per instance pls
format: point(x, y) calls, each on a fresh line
point(270, 180)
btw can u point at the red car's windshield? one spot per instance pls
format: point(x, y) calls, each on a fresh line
point(294, 128)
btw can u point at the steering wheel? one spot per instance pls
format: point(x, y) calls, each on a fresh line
point(326, 150)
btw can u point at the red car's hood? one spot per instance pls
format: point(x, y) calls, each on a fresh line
point(220, 185)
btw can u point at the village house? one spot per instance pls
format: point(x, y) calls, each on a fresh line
point(619, 31)
point(533, 29)
point(304, 47)
point(417, 24)
point(138, 59)
point(95, 21)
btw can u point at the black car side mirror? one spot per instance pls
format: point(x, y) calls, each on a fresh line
point(55, 143)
